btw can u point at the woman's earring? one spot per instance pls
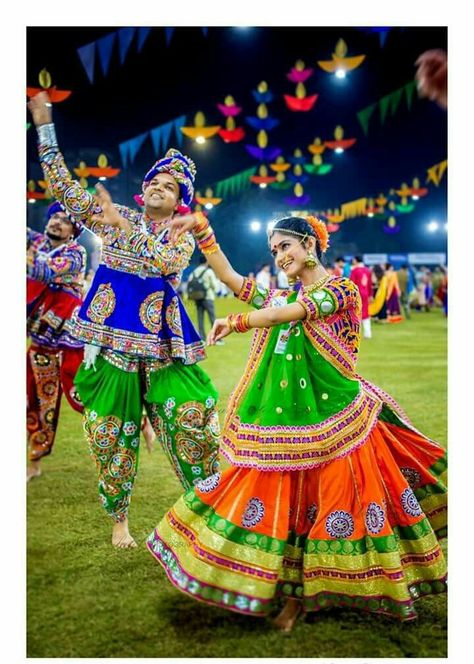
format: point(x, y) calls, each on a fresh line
point(311, 261)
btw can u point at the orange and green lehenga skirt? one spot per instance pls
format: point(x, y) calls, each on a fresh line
point(359, 532)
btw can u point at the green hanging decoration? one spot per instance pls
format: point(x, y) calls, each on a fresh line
point(235, 184)
point(388, 102)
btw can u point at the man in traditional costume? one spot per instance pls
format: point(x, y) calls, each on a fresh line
point(141, 347)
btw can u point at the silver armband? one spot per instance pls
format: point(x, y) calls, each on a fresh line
point(47, 135)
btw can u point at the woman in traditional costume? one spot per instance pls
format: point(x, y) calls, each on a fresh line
point(332, 497)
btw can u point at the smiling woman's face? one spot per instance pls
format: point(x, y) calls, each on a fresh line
point(290, 253)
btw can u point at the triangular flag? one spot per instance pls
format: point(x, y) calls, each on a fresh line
point(124, 148)
point(105, 47)
point(178, 123)
point(125, 36)
point(168, 34)
point(87, 56)
point(156, 138)
point(364, 117)
point(409, 90)
point(135, 144)
point(395, 100)
point(383, 105)
point(142, 35)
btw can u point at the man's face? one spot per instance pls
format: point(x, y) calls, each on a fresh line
point(162, 193)
point(59, 227)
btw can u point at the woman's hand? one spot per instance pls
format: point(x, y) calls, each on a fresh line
point(109, 216)
point(180, 225)
point(219, 330)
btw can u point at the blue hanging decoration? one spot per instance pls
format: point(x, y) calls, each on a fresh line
point(87, 57)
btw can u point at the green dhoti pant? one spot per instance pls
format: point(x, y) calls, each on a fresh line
point(180, 401)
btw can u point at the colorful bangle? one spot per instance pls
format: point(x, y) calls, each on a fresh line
point(239, 322)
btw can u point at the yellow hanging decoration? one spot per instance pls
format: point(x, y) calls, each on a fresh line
point(300, 91)
point(339, 60)
point(102, 161)
point(298, 189)
point(355, 208)
point(316, 147)
point(262, 111)
point(262, 139)
point(45, 79)
point(200, 132)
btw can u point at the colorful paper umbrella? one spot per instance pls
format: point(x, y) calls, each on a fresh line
point(229, 108)
point(103, 170)
point(391, 226)
point(317, 147)
point(208, 200)
point(54, 95)
point(200, 133)
point(262, 179)
point(417, 191)
point(341, 143)
point(299, 198)
point(317, 167)
point(299, 73)
point(339, 64)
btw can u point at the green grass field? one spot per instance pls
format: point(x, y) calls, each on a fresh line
point(86, 599)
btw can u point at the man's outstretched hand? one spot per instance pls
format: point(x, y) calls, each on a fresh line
point(40, 108)
point(109, 216)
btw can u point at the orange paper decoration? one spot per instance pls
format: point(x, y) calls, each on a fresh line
point(200, 131)
point(339, 60)
point(54, 95)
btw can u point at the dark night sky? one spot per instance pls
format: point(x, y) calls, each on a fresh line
point(196, 72)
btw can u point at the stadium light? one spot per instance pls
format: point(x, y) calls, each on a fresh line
point(433, 226)
point(340, 73)
point(339, 150)
point(208, 206)
point(255, 225)
point(200, 140)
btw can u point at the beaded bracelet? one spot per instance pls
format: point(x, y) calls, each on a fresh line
point(239, 322)
point(205, 237)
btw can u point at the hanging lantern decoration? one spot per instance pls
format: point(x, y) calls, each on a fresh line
point(208, 200)
point(299, 198)
point(262, 123)
point(391, 227)
point(83, 170)
point(335, 217)
point(301, 101)
point(231, 133)
point(372, 210)
point(55, 95)
point(417, 191)
point(404, 207)
point(340, 143)
point(32, 195)
point(263, 179)
point(297, 158)
point(199, 132)
point(340, 64)
point(281, 183)
point(298, 174)
point(280, 166)
point(317, 147)
point(317, 167)
point(262, 94)
point(103, 170)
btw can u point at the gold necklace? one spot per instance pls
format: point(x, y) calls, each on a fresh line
point(317, 284)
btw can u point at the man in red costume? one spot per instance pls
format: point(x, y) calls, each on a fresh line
point(56, 269)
